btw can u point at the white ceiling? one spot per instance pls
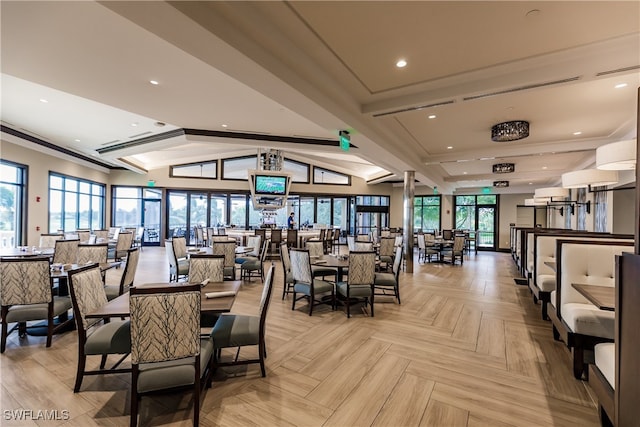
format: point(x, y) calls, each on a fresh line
point(306, 70)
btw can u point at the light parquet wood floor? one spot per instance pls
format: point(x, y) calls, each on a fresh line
point(466, 348)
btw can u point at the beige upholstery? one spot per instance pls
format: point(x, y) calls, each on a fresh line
point(605, 360)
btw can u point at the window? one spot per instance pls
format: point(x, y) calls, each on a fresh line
point(299, 171)
point(127, 206)
point(237, 167)
point(205, 170)
point(426, 213)
point(12, 201)
point(325, 176)
point(75, 203)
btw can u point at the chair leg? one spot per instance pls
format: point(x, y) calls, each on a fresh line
point(103, 361)
point(293, 304)
point(82, 361)
point(371, 301)
point(4, 336)
point(196, 395)
point(135, 400)
point(263, 354)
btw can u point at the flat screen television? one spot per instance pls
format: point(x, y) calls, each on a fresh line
point(270, 185)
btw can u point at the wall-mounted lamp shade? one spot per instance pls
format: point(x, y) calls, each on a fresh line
point(535, 202)
point(619, 155)
point(552, 192)
point(587, 177)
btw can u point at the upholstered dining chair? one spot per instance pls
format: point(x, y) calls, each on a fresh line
point(206, 268)
point(387, 249)
point(178, 265)
point(287, 275)
point(255, 265)
point(359, 285)
point(276, 239)
point(304, 283)
point(66, 251)
point(49, 240)
point(128, 275)
point(123, 244)
point(228, 250)
point(27, 294)
point(316, 250)
point(236, 330)
point(292, 238)
point(102, 236)
point(254, 242)
point(95, 338)
point(167, 352)
point(90, 253)
point(83, 235)
point(389, 282)
point(456, 251)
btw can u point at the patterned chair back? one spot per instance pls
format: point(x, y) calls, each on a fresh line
point(87, 294)
point(421, 242)
point(266, 296)
point(228, 250)
point(102, 236)
point(25, 281)
point(160, 334)
point(49, 240)
point(66, 251)
point(363, 238)
point(171, 256)
point(261, 232)
point(387, 245)
point(83, 235)
point(130, 268)
point(276, 236)
point(300, 265)
point(362, 268)
point(255, 243)
point(363, 246)
point(458, 244)
point(92, 253)
point(316, 249)
point(125, 239)
point(351, 243)
point(292, 238)
point(179, 247)
point(286, 261)
point(203, 267)
point(397, 261)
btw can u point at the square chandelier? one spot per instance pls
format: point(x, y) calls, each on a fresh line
point(504, 167)
point(510, 131)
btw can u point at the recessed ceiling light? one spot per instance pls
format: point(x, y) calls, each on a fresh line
point(134, 124)
point(224, 126)
point(531, 183)
point(76, 140)
point(154, 82)
point(577, 133)
point(432, 116)
point(544, 167)
point(43, 100)
point(449, 148)
point(401, 63)
point(464, 173)
point(620, 85)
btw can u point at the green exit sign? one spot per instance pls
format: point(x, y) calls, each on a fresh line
point(345, 140)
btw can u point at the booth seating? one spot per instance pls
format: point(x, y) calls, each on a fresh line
point(543, 280)
point(576, 321)
point(602, 380)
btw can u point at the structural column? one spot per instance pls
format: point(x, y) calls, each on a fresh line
point(407, 226)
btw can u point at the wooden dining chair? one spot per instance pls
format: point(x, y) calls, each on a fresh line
point(27, 295)
point(167, 351)
point(96, 337)
point(304, 283)
point(360, 282)
point(237, 330)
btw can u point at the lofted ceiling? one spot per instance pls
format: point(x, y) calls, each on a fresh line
point(234, 76)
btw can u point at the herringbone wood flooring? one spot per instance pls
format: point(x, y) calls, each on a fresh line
point(466, 348)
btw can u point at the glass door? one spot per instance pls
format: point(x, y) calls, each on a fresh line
point(486, 233)
point(151, 222)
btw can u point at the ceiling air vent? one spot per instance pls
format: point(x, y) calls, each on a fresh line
point(110, 142)
point(140, 134)
point(419, 107)
point(526, 87)
point(619, 70)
